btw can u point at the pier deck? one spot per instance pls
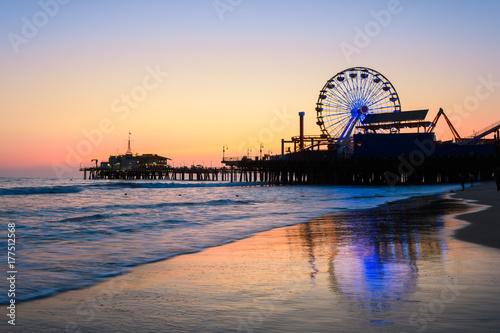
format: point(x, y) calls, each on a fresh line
point(206, 174)
point(444, 165)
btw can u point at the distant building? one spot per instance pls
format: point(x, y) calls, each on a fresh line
point(135, 162)
point(131, 161)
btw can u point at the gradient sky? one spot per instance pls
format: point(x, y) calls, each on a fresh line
point(239, 71)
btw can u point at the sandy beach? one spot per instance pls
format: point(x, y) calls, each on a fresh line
point(484, 227)
point(400, 267)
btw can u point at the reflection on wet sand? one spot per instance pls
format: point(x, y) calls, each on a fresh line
point(374, 256)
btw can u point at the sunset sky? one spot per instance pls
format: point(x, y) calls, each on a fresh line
point(189, 77)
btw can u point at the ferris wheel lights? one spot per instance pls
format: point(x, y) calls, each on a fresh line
point(361, 91)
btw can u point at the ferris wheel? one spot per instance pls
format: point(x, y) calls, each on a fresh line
point(348, 97)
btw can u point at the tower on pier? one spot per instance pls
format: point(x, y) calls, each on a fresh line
point(129, 149)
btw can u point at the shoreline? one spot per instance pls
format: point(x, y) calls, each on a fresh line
point(249, 281)
point(483, 226)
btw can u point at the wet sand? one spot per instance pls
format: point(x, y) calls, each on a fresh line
point(484, 227)
point(395, 268)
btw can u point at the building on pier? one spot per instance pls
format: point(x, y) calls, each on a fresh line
point(131, 161)
point(135, 162)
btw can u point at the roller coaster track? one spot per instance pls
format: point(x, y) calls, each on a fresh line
point(482, 133)
point(485, 131)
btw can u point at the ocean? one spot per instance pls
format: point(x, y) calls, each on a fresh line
point(72, 233)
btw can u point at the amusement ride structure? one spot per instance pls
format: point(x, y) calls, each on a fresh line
point(348, 97)
point(362, 100)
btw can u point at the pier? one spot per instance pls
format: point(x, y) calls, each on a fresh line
point(446, 164)
point(325, 167)
point(182, 173)
point(364, 140)
point(367, 139)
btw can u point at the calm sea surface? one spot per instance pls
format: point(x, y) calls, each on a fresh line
point(72, 233)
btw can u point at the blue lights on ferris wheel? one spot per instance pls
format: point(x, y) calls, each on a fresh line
point(348, 97)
